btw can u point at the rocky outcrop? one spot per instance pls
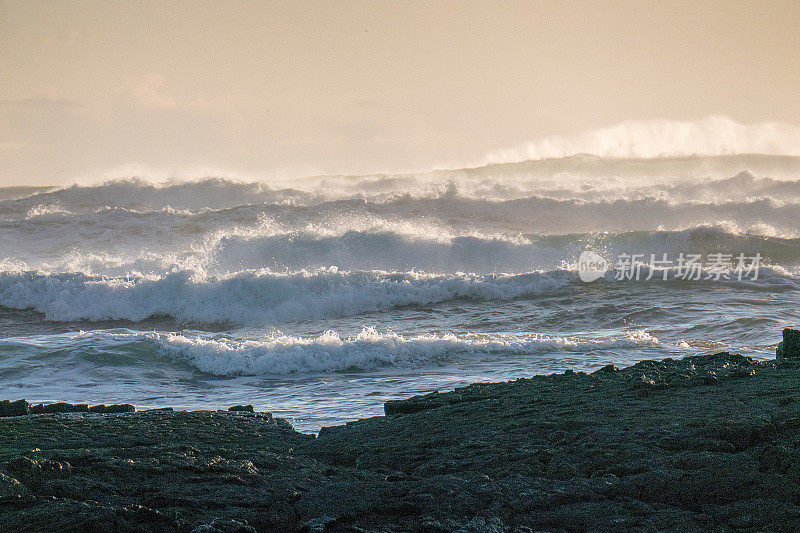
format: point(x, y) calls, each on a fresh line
point(22, 407)
point(15, 408)
point(242, 408)
point(60, 407)
point(700, 443)
point(114, 408)
point(790, 347)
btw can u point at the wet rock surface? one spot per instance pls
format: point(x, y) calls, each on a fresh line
point(245, 408)
point(707, 442)
point(790, 347)
point(22, 407)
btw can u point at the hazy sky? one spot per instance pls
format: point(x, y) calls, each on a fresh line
point(257, 89)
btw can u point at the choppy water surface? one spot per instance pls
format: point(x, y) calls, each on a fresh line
point(319, 299)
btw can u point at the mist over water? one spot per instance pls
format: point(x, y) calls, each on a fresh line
point(320, 298)
point(714, 135)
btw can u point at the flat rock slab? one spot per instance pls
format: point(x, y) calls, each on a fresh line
point(707, 442)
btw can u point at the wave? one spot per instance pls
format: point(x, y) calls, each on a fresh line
point(715, 135)
point(51, 239)
point(277, 353)
point(369, 349)
point(255, 297)
point(139, 194)
point(742, 187)
point(386, 250)
point(263, 297)
point(591, 177)
point(384, 247)
point(110, 200)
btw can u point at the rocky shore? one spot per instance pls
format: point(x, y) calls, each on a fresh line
point(705, 442)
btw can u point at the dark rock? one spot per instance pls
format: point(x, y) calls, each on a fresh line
point(413, 405)
point(26, 467)
point(316, 525)
point(59, 407)
point(23, 466)
point(224, 526)
point(480, 524)
point(790, 347)
point(17, 408)
point(650, 447)
point(434, 526)
point(244, 408)
point(63, 407)
point(120, 408)
point(115, 408)
point(606, 369)
point(11, 489)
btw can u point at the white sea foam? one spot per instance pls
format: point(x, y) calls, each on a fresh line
point(399, 247)
point(256, 297)
point(728, 177)
point(263, 298)
point(715, 135)
point(370, 349)
point(476, 220)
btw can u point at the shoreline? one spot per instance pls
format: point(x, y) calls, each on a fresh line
point(696, 443)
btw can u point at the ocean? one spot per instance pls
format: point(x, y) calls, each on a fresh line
point(318, 299)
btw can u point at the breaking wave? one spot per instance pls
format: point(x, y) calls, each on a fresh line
point(255, 297)
point(729, 177)
point(715, 135)
point(385, 250)
point(286, 354)
point(375, 245)
point(266, 298)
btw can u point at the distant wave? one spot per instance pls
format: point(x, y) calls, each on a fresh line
point(78, 202)
point(140, 194)
point(723, 177)
point(110, 229)
point(386, 250)
point(396, 248)
point(285, 354)
point(742, 187)
point(715, 135)
point(500, 218)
